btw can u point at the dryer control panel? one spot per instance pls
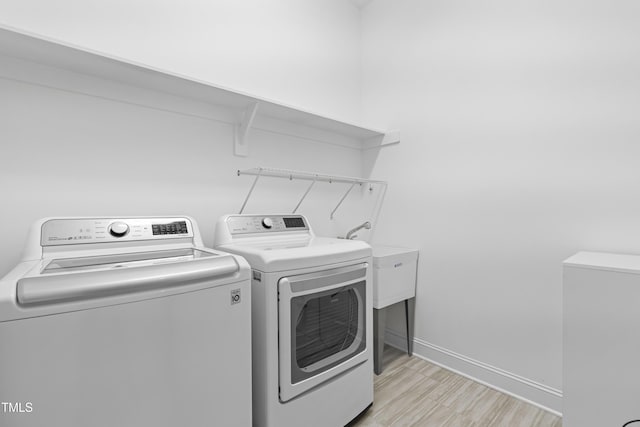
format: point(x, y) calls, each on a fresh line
point(57, 232)
point(243, 224)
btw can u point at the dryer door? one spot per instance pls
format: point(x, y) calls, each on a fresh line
point(322, 327)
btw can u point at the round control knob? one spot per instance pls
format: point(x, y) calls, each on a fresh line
point(267, 223)
point(118, 229)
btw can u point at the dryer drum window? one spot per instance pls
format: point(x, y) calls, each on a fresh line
point(327, 329)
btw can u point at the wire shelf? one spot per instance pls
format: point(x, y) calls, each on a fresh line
point(306, 176)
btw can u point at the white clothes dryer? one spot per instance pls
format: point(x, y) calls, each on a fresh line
point(125, 322)
point(311, 319)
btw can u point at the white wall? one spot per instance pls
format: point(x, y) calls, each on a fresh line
point(298, 52)
point(519, 147)
point(67, 153)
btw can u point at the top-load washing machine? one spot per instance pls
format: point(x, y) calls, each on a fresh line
point(311, 318)
point(124, 322)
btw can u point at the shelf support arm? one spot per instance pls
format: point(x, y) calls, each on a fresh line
point(246, 199)
point(389, 138)
point(342, 200)
point(241, 130)
point(304, 196)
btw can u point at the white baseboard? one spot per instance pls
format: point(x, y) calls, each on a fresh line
point(540, 395)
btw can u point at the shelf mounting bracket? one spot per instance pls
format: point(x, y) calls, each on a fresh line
point(241, 130)
point(303, 196)
point(342, 200)
point(255, 181)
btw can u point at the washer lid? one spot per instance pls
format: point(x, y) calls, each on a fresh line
point(295, 252)
point(75, 280)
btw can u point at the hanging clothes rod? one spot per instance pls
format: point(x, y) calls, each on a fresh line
point(307, 176)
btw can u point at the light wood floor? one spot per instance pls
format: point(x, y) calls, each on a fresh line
point(413, 392)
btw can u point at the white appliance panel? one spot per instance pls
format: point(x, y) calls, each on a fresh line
point(601, 348)
point(158, 362)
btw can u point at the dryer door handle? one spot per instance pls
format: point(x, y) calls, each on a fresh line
point(47, 289)
point(323, 280)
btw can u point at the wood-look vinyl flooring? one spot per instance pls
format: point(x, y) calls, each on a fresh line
point(413, 392)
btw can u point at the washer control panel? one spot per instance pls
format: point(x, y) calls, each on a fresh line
point(57, 232)
point(243, 224)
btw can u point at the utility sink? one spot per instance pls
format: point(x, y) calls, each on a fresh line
point(394, 280)
point(394, 274)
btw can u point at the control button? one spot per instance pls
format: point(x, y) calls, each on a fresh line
point(267, 222)
point(118, 229)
